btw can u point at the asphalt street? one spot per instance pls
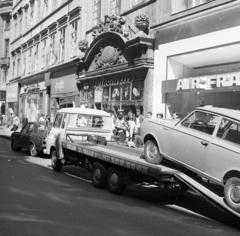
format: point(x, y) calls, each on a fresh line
point(35, 200)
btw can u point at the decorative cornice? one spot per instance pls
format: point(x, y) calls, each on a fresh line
point(63, 20)
point(74, 13)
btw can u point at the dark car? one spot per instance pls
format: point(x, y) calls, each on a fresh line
point(32, 137)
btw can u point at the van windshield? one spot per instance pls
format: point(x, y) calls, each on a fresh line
point(86, 121)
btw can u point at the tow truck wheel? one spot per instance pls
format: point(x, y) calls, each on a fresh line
point(151, 152)
point(56, 164)
point(232, 193)
point(14, 146)
point(99, 175)
point(33, 150)
point(116, 184)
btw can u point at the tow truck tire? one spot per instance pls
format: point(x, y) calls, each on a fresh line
point(14, 146)
point(116, 184)
point(99, 175)
point(232, 193)
point(33, 150)
point(151, 152)
point(56, 164)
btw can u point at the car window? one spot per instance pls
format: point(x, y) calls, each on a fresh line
point(24, 129)
point(64, 121)
point(201, 121)
point(42, 127)
point(30, 128)
point(57, 122)
point(88, 121)
point(229, 130)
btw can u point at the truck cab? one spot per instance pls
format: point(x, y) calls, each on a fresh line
point(76, 124)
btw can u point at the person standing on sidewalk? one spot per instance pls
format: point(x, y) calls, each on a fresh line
point(24, 120)
point(15, 123)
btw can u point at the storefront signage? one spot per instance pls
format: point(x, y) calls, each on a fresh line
point(209, 81)
point(59, 85)
point(31, 88)
point(124, 79)
point(12, 92)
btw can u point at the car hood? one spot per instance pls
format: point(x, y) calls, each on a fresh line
point(164, 122)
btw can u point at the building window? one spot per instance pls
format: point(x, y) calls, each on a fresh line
point(26, 19)
point(44, 57)
point(96, 12)
point(15, 27)
point(115, 7)
point(20, 24)
point(45, 8)
point(32, 15)
point(6, 48)
point(62, 44)
point(136, 2)
point(39, 16)
point(54, 5)
point(19, 65)
point(13, 70)
point(24, 63)
point(5, 77)
point(30, 60)
point(35, 62)
point(182, 5)
point(73, 38)
point(7, 22)
point(53, 53)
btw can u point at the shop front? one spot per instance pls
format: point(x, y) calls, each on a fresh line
point(32, 101)
point(12, 91)
point(63, 91)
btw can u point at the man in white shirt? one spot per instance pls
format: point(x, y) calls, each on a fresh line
point(42, 119)
point(15, 122)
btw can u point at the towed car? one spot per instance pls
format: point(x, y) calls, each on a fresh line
point(206, 141)
point(32, 136)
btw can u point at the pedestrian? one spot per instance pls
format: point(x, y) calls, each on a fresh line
point(139, 118)
point(149, 115)
point(176, 116)
point(24, 120)
point(10, 120)
point(159, 115)
point(42, 119)
point(15, 122)
point(47, 118)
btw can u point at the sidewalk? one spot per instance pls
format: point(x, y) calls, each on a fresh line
point(5, 132)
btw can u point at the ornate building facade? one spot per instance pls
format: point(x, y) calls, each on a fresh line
point(5, 16)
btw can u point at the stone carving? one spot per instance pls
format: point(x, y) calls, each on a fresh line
point(142, 23)
point(112, 23)
point(109, 54)
point(83, 45)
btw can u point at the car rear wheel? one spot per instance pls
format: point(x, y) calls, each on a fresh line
point(232, 193)
point(116, 183)
point(99, 175)
point(14, 146)
point(152, 153)
point(56, 164)
point(33, 150)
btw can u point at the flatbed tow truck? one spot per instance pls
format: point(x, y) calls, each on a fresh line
point(116, 166)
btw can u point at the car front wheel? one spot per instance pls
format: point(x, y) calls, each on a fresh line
point(99, 175)
point(152, 153)
point(14, 146)
point(232, 193)
point(56, 164)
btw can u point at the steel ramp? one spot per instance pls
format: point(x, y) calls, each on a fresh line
point(206, 193)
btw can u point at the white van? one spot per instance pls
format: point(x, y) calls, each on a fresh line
point(76, 124)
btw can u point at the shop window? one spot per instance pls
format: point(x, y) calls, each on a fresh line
point(58, 120)
point(115, 7)
point(73, 39)
point(62, 44)
point(96, 12)
point(137, 90)
point(182, 5)
point(115, 93)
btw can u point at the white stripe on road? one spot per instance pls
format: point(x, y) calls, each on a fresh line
point(74, 176)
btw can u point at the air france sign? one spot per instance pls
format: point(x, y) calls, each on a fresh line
point(209, 81)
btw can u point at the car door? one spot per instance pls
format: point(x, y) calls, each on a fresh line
point(27, 135)
point(190, 140)
point(20, 135)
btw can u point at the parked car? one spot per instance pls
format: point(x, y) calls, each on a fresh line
point(32, 136)
point(206, 142)
point(76, 124)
